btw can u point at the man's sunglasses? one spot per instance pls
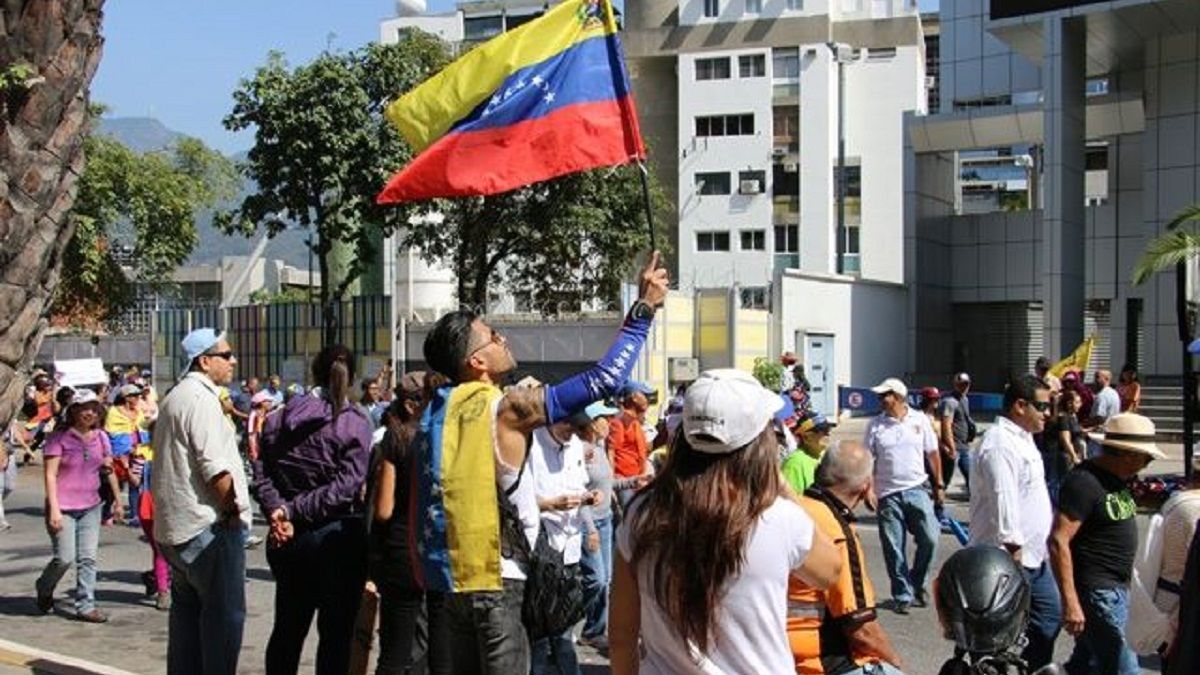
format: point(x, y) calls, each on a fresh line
point(1040, 406)
point(227, 355)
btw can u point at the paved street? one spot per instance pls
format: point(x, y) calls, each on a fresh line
point(135, 638)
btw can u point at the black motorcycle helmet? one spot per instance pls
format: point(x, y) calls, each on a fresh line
point(982, 599)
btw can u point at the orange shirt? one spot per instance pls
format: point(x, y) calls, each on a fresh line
point(816, 617)
point(627, 446)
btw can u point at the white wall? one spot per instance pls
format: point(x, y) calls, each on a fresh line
point(691, 12)
point(730, 213)
point(448, 27)
point(868, 321)
point(818, 154)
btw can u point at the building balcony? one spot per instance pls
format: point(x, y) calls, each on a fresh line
point(786, 261)
point(785, 93)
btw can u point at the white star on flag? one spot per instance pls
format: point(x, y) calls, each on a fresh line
point(520, 84)
point(549, 97)
point(537, 80)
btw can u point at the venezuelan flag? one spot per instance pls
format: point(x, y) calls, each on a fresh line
point(454, 525)
point(549, 98)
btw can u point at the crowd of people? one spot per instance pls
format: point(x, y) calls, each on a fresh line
point(494, 521)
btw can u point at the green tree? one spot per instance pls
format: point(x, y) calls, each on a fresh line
point(322, 149)
point(1177, 245)
point(768, 373)
point(135, 222)
point(559, 243)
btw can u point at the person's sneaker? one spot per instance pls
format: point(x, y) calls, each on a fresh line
point(921, 599)
point(901, 606)
point(162, 601)
point(45, 603)
point(253, 541)
point(91, 616)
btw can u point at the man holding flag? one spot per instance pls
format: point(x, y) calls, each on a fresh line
point(549, 98)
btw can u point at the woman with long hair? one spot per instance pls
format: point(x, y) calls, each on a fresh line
point(77, 456)
point(706, 549)
point(1129, 389)
point(308, 480)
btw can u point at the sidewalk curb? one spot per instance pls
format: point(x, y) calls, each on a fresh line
point(16, 654)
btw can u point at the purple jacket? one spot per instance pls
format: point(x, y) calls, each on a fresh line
point(310, 464)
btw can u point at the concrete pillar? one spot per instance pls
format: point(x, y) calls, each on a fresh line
point(818, 156)
point(1063, 242)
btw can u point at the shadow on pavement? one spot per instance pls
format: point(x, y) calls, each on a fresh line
point(18, 605)
point(260, 574)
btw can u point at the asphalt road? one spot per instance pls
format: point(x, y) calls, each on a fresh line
point(135, 638)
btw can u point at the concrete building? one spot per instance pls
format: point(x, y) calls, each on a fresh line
point(1104, 98)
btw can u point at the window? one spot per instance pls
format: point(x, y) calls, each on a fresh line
point(752, 182)
point(785, 63)
point(754, 297)
point(725, 125)
point(881, 53)
point(754, 240)
point(754, 6)
point(712, 69)
point(787, 238)
point(852, 233)
point(785, 120)
point(712, 241)
point(785, 180)
point(794, 5)
point(482, 27)
point(515, 20)
point(712, 8)
point(752, 65)
point(713, 183)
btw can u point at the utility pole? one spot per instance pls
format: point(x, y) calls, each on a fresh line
point(841, 54)
point(1187, 335)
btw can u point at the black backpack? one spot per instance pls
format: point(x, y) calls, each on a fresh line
point(553, 599)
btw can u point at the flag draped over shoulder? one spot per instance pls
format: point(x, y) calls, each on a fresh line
point(1077, 361)
point(546, 99)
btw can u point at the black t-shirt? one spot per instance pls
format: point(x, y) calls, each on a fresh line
point(391, 559)
point(1103, 548)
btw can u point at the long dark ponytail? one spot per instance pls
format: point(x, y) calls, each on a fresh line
point(333, 370)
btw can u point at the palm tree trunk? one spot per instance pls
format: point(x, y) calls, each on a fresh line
point(43, 121)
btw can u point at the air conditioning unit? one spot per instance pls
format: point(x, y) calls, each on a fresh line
point(683, 369)
point(778, 152)
point(791, 167)
point(749, 187)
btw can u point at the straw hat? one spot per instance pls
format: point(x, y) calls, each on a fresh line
point(1129, 432)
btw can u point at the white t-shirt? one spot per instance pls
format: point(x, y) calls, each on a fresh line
point(1108, 403)
point(899, 447)
point(1009, 500)
point(751, 633)
point(558, 469)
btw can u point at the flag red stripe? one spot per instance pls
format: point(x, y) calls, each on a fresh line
point(490, 161)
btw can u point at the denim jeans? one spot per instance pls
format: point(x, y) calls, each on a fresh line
point(1101, 648)
point(77, 542)
point(486, 631)
point(555, 655)
point(208, 601)
point(909, 511)
point(321, 571)
point(597, 576)
point(1045, 616)
point(964, 466)
point(412, 632)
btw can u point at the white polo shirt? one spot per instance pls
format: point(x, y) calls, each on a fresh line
point(1009, 500)
point(558, 469)
point(899, 447)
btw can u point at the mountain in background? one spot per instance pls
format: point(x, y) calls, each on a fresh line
point(146, 134)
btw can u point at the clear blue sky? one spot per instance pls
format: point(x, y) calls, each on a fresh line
point(180, 61)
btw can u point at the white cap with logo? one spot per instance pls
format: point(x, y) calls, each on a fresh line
point(725, 409)
point(892, 385)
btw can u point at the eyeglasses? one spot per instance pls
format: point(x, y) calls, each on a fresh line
point(495, 338)
point(227, 355)
point(1040, 406)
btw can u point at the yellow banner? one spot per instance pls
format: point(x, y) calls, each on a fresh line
point(1078, 360)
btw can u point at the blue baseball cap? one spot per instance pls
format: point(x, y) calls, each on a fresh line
point(199, 341)
point(600, 409)
point(632, 386)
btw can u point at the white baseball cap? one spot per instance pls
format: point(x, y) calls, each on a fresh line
point(892, 385)
point(725, 409)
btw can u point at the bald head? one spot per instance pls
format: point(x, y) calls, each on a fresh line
point(845, 467)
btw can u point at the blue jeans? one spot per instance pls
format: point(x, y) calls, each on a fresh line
point(910, 511)
point(555, 655)
point(76, 543)
point(208, 601)
point(1045, 616)
point(319, 572)
point(964, 466)
point(486, 632)
point(597, 576)
point(1101, 648)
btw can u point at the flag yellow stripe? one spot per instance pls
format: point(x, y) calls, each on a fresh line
point(427, 112)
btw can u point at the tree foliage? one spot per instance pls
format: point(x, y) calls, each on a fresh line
point(135, 221)
point(559, 244)
point(1172, 247)
point(322, 149)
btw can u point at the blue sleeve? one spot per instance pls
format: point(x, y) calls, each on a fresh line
point(603, 379)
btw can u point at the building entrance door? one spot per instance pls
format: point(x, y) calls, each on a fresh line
point(818, 367)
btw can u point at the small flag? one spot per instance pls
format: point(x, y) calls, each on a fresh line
point(1078, 360)
point(549, 98)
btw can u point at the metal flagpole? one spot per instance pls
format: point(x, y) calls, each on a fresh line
point(646, 198)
